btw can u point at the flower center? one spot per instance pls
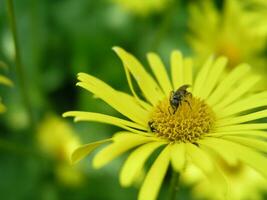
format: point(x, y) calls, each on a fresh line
point(231, 52)
point(187, 122)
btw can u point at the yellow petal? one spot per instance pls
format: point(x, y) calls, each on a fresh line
point(125, 135)
point(232, 78)
point(202, 77)
point(119, 146)
point(155, 176)
point(2, 108)
point(216, 177)
point(135, 162)
point(238, 91)
point(213, 77)
point(219, 181)
point(256, 144)
point(217, 147)
point(5, 81)
point(178, 156)
point(199, 158)
point(253, 158)
point(86, 149)
point(188, 71)
point(147, 106)
point(125, 104)
point(160, 72)
point(146, 83)
point(258, 100)
point(97, 117)
point(177, 69)
point(250, 134)
point(243, 118)
point(243, 128)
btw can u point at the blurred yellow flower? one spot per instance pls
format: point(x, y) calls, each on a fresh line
point(214, 117)
point(237, 32)
point(141, 7)
point(68, 175)
point(255, 15)
point(243, 183)
point(4, 81)
point(57, 139)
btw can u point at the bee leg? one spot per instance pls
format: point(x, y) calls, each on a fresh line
point(188, 104)
point(160, 109)
point(175, 108)
point(170, 97)
point(189, 94)
point(169, 110)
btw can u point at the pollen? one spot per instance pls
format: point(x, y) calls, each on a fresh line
point(192, 119)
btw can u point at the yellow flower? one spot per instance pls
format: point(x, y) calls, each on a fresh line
point(69, 175)
point(141, 7)
point(214, 117)
point(243, 183)
point(255, 15)
point(4, 81)
point(57, 139)
point(236, 32)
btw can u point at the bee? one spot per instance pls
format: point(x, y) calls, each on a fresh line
point(151, 126)
point(177, 97)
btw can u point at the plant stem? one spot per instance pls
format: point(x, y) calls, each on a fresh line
point(18, 63)
point(174, 185)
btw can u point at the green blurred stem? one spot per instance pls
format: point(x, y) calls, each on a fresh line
point(174, 186)
point(18, 63)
